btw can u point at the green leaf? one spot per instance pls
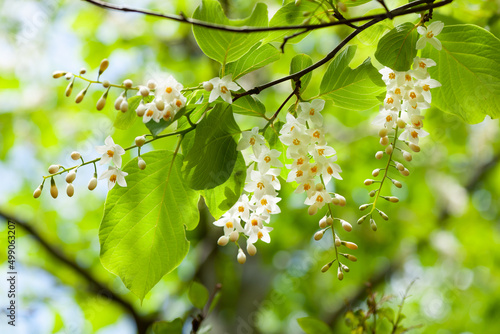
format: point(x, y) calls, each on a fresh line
point(257, 57)
point(250, 106)
point(298, 63)
point(211, 159)
point(397, 48)
point(168, 327)
point(468, 68)
point(311, 325)
point(352, 89)
point(125, 120)
point(198, 295)
point(386, 312)
point(290, 15)
point(222, 198)
point(226, 47)
point(142, 232)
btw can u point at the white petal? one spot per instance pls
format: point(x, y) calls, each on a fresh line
point(421, 43)
point(435, 43)
point(422, 30)
point(436, 27)
point(214, 94)
point(109, 141)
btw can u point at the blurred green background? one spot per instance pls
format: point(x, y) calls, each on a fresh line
point(444, 232)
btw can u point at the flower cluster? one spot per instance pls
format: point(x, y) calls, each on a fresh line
point(112, 152)
point(408, 93)
point(252, 212)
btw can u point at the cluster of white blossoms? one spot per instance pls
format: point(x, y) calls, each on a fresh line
point(313, 160)
point(112, 152)
point(252, 212)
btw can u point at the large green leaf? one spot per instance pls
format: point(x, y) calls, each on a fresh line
point(352, 89)
point(223, 46)
point(290, 15)
point(257, 57)
point(468, 67)
point(311, 325)
point(198, 295)
point(298, 63)
point(221, 198)
point(142, 232)
point(211, 159)
point(397, 48)
point(250, 106)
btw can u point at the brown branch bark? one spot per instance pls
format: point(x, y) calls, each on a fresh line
point(142, 322)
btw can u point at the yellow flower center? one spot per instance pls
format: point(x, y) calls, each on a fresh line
point(260, 235)
point(167, 116)
point(307, 186)
point(414, 134)
point(149, 113)
point(241, 208)
point(388, 118)
point(178, 103)
point(300, 161)
point(430, 34)
point(329, 170)
point(397, 91)
point(252, 141)
point(223, 89)
point(390, 100)
point(421, 64)
point(413, 95)
point(229, 225)
point(426, 88)
point(267, 159)
point(316, 134)
point(299, 173)
point(296, 141)
point(110, 153)
point(314, 169)
point(254, 222)
point(311, 111)
point(408, 77)
point(168, 90)
point(392, 76)
point(263, 201)
point(319, 199)
point(321, 151)
point(112, 178)
point(260, 185)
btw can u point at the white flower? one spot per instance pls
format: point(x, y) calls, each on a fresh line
point(414, 96)
point(267, 205)
point(320, 152)
point(429, 35)
point(299, 174)
point(169, 89)
point(311, 111)
point(251, 138)
point(392, 101)
point(263, 184)
point(386, 118)
point(317, 135)
point(412, 134)
point(391, 77)
point(256, 233)
point(297, 143)
point(426, 85)
point(222, 88)
point(331, 169)
point(114, 175)
point(230, 224)
point(292, 124)
point(420, 67)
point(151, 112)
point(242, 208)
point(307, 186)
point(255, 221)
point(266, 159)
point(111, 151)
point(319, 199)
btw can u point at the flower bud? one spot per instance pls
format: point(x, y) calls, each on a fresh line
point(407, 156)
point(379, 155)
point(241, 257)
point(140, 140)
point(376, 172)
point(414, 147)
point(124, 106)
point(53, 188)
point(346, 226)
point(345, 268)
point(118, 102)
point(335, 200)
point(298, 3)
point(405, 172)
point(329, 221)
point(338, 242)
point(319, 187)
point(389, 149)
point(362, 219)
point(106, 84)
point(373, 225)
point(69, 88)
point(141, 163)
point(37, 192)
point(160, 105)
point(383, 215)
point(223, 241)
point(68, 76)
point(75, 155)
point(208, 86)
point(58, 74)
point(384, 141)
point(251, 249)
point(352, 258)
point(80, 96)
point(101, 103)
point(372, 193)
point(350, 245)
point(83, 70)
point(319, 235)
point(340, 274)
point(342, 201)
point(364, 206)
point(71, 176)
point(397, 183)
point(128, 83)
point(313, 209)
point(234, 236)
point(368, 182)
point(53, 169)
point(382, 132)
point(399, 166)
point(70, 190)
point(93, 183)
point(401, 123)
point(322, 222)
point(103, 66)
point(144, 91)
point(151, 84)
point(327, 266)
point(393, 199)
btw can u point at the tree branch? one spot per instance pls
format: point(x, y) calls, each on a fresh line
point(142, 322)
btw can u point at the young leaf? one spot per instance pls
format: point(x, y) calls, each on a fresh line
point(142, 242)
point(311, 325)
point(221, 198)
point(250, 106)
point(397, 48)
point(352, 89)
point(298, 63)
point(258, 56)
point(223, 46)
point(198, 295)
point(211, 159)
point(168, 327)
point(468, 68)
